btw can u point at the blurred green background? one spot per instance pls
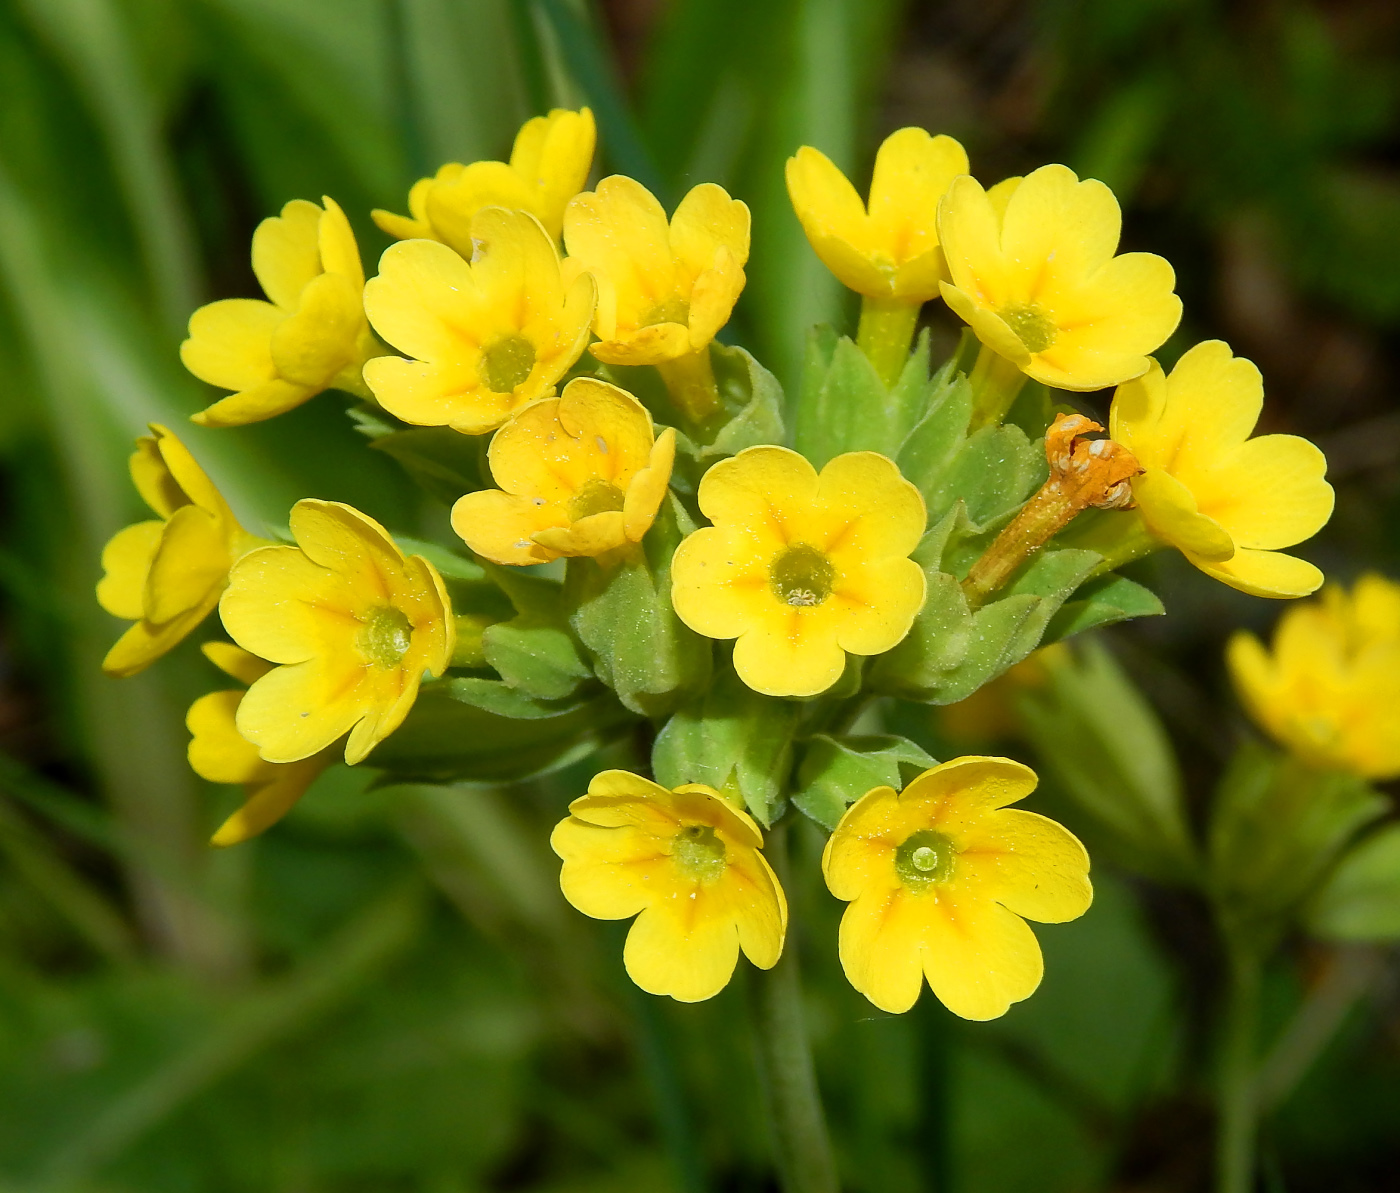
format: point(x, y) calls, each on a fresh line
point(387, 991)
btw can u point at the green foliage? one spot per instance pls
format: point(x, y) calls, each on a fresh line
point(1360, 900)
point(837, 770)
point(535, 651)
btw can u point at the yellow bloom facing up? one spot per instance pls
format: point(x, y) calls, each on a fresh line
point(1034, 275)
point(166, 574)
point(311, 335)
point(688, 865)
point(219, 753)
point(354, 623)
point(801, 567)
point(489, 336)
point(941, 879)
point(1330, 691)
point(581, 474)
point(1226, 501)
point(548, 166)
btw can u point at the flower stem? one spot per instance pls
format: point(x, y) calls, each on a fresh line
point(1237, 1101)
point(691, 382)
point(995, 383)
point(886, 332)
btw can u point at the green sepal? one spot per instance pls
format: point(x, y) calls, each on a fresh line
point(443, 462)
point(1360, 901)
point(535, 651)
point(837, 771)
point(753, 415)
point(1101, 602)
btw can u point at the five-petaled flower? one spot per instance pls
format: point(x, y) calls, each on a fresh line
point(799, 567)
point(489, 335)
point(688, 865)
point(354, 624)
point(941, 879)
point(1227, 501)
point(581, 474)
point(166, 574)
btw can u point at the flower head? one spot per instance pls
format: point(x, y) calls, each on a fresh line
point(1330, 690)
point(311, 335)
point(801, 567)
point(354, 623)
point(581, 474)
point(688, 865)
point(941, 879)
point(489, 335)
point(548, 166)
point(890, 250)
point(166, 574)
point(664, 290)
point(1034, 275)
point(1226, 501)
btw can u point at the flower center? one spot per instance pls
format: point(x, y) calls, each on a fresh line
point(386, 636)
point(507, 363)
point(1032, 326)
point(673, 310)
point(801, 576)
point(925, 858)
point(698, 852)
point(596, 497)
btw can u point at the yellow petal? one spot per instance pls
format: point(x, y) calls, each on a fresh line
point(681, 947)
point(1269, 492)
point(608, 873)
point(143, 643)
point(422, 297)
point(593, 535)
point(336, 242)
point(980, 958)
point(432, 395)
point(648, 488)
point(1264, 573)
point(989, 327)
point(712, 298)
point(968, 787)
point(452, 204)
point(393, 695)
point(869, 509)
point(621, 797)
point(286, 253)
point(502, 526)
point(153, 479)
point(708, 219)
point(881, 942)
point(760, 909)
point(919, 279)
point(913, 171)
point(834, 219)
point(555, 153)
point(611, 420)
point(217, 751)
point(1135, 415)
point(235, 661)
point(651, 345)
point(269, 802)
point(255, 405)
point(402, 227)
point(126, 559)
point(800, 659)
point(619, 232)
point(877, 604)
point(859, 855)
point(190, 566)
point(230, 343)
point(718, 584)
point(268, 607)
point(755, 488)
point(1169, 509)
point(969, 231)
point(310, 347)
point(999, 196)
point(296, 711)
point(188, 475)
point(1028, 864)
point(1056, 226)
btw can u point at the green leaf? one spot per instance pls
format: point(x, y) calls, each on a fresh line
point(449, 564)
point(1105, 601)
point(443, 462)
point(837, 771)
point(535, 651)
point(1361, 900)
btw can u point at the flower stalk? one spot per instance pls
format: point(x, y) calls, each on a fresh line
point(886, 332)
point(690, 379)
point(1237, 1096)
point(996, 383)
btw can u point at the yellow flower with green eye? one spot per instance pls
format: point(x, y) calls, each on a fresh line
point(548, 166)
point(1033, 273)
point(1226, 501)
point(688, 865)
point(166, 574)
point(581, 474)
point(1330, 689)
point(941, 879)
point(488, 336)
point(354, 624)
point(312, 334)
point(220, 754)
point(801, 567)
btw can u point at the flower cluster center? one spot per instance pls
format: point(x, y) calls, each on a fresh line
point(698, 852)
point(386, 636)
point(596, 497)
point(1032, 326)
point(507, 363)
point(801, 576)
point(926, 857)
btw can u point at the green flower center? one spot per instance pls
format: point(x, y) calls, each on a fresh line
point(386, 636)
point(699, 853)
point(925, 858)
point(507, 363)
point(596, 497)
point(801, 576)
point(1033, 327)
point(673, 310)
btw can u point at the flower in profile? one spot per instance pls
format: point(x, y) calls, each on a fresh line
point(941, 879)
point(1034, 275)
point(220, 754)
point(889, 250)
point(688, 865)
point(489, 335)
point(1330, 690)
point(311, 335)
point(1226, 501)
point(799, 567)
point(581, 474)
point(548, 166)
point(166, 574)
point(354, 624)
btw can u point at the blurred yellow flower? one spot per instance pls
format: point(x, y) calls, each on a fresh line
point(548, 166)
point(166, 574)
point(688, 865)
point(581, 474)
point(489, 336)
point(219, 753)
point(939, 878)
point(1034, 275)
point(354, 623)
point(311, 336)
point(801, 567)
point(1330, 691)
point(1226, 501)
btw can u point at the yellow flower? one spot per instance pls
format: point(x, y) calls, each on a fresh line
point(663, 290)
point(219, 753)
point(354, 623)
point(166, 574)
point(1226, 501)
point(1035, 277)
point(892, 250)
point(311, 336)
point(489, 336)
point(580, 475)
point(548, 166)
point(801, 568)
point(939, 878)
point(687, 864)
point(1330, 691)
